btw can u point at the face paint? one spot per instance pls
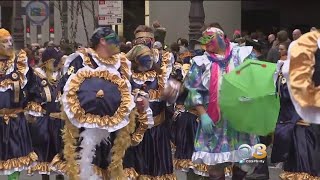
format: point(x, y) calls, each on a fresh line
point(145, 63)
point(6, 46)
point(113, 43)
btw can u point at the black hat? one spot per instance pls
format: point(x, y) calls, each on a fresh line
point(256, 44)
point(97, 98)
point(52, 53)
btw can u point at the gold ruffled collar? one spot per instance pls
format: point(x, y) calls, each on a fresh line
point(144, 76)
point(110, 60)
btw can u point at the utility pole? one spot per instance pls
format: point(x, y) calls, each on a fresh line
point(196, 20)
point(18, 27)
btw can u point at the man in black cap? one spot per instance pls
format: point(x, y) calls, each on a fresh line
point(257, 49)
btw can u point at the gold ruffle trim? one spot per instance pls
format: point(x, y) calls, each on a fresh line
point(125, 69)
point(33, 106)
point(302, 61)
point(137, 136)
point(132, 173)
point(79, 113)
point(180, 164)
point(18, 162)
point(110, 60)
point(156, 94)
point(145, 75)
point(42, 167)
point(59, 164)
point(297, 176)
point(21, 69)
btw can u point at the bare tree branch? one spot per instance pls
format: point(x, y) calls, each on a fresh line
point(84, 22)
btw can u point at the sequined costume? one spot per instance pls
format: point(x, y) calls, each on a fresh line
point(296, 142)
point(16, 152)
point(203, 81)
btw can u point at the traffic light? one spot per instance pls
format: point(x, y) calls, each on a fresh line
point(51, 30)
point(28, 29)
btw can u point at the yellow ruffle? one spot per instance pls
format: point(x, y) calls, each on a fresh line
point(79, 113)
point(110, 60)
point(137, 136)
point(132, 173)
point(145, 75)
point(180, 164)
point(125, 69)
point(34, 106)
point(22, 67)
point(18, 162)
point(42, 167)
point(297, 176)
point(302, 61)
point(58, 164)
point(163, 177)
point(156, 94)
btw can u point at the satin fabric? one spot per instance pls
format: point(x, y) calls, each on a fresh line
point(107, 105)
point(283, 135)
point(46, 137)
point(153, 155)
point(304, 151)
point(15, 139)
point(302, 61)
point(184, 130)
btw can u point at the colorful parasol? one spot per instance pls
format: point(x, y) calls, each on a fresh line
point(248, 100)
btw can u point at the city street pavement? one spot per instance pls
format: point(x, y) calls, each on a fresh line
point(274, 175)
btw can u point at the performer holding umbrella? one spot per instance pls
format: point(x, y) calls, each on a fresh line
point(216, 141)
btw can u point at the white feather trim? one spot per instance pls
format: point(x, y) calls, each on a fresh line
point(91, 138)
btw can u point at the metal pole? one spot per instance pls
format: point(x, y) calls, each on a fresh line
point(18, 26)
point(196, 20)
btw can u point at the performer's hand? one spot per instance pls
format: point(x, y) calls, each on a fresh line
point(206, 123)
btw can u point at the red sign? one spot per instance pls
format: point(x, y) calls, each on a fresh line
point(102, 2)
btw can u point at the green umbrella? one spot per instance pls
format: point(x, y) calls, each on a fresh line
point(248, 99)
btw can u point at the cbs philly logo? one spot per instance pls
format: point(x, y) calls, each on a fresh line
point(249, 154)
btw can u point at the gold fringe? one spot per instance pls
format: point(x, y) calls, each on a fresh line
point(121, 144)
point(297, 176)
point(42, 167)
point(70, 135)
point(180, 164)
point(18, 162)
